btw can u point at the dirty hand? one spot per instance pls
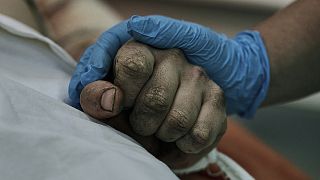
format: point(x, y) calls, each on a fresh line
point(170, 98)
point(239, 66)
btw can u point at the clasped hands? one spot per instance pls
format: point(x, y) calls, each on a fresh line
point(170, 99)
point(165, 103)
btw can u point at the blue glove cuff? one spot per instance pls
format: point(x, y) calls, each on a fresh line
point(260, 93)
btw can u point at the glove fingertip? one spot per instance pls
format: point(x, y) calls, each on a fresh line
point(141, 27)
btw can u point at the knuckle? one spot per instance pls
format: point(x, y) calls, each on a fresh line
point(156, 99)
point(216, 94)
point(133, 65)
point(134, 62)
point(200, 137)
point(198, 73)
point(178, 120)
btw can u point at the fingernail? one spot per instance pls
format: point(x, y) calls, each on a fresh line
point(107, 99)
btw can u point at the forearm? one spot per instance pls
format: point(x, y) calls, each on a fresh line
point(292, 40)
point(73, 24)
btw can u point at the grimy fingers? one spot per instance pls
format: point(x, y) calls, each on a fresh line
point(186, 107)
point(101, 99)
point(156, 97)
point(133, 67)
point(210, 124)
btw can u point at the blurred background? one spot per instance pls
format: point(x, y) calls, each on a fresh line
point(291, 129)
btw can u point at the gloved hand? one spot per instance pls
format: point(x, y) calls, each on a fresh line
point(240, 66)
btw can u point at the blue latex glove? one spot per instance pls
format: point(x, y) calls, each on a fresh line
point(240, 66)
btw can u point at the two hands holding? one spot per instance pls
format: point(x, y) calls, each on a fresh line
point(174, 90)
point(169, 106)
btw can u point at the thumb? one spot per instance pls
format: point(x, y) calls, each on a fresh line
point(101, 99)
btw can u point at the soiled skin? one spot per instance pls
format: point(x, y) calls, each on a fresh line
point(177, 101)
point(172, 108)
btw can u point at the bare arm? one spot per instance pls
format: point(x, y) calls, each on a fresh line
point(292, 40)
